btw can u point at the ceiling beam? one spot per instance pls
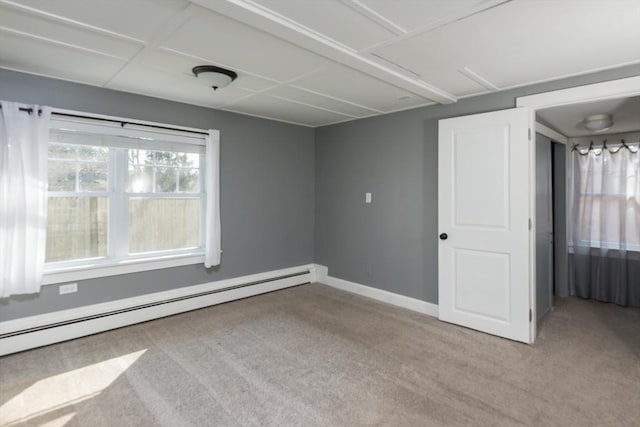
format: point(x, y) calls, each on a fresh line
point(374, 16)
point(264, 19)
point(473, 76)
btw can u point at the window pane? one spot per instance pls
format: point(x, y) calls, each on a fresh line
point(76, 228)
point(93, 154)
point(189, 180)
point(167, 158)
point(140, 176)
point(163, 224)
point(62, 175)
point(93, 176)
point(140, 158)
point(140, 180)
point(189, 160)
point(166, 180)
point(62, 151)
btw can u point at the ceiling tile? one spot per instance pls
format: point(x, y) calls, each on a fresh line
point(223, 41)
point(45, 27)
point(332, 19)
point(279, 109)
point(175, 86)
point(177, 63)
point(588, 39)
point(139, 19)
point(412, 14)
point(321, 101)
point(509, 46)
point(353, 86)
point(54, 60)
point(499, 44)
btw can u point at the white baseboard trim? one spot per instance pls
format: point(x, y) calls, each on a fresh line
point(103, 321)
point(322, 272)
point(377, 294)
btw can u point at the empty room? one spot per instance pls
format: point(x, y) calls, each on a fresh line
point(319, 212)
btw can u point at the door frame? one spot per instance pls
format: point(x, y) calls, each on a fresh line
point(612, 89)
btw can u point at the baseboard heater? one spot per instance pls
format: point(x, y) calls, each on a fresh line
point(37, 331)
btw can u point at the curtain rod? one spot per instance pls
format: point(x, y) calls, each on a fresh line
point(122, 122)
point(28, 110)
point(576, 147)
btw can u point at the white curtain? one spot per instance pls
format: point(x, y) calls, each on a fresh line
point(24, 131)
point(604, 259)
point(212, 183)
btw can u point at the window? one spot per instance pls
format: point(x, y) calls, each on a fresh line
point(78, 202)
point(122, 193)
point(606, 206)
point(163, 190)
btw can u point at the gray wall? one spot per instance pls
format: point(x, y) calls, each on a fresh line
point(392, 243)
point(267, 191)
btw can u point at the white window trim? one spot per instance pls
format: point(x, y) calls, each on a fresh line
point(108, 267)
point(69, 271)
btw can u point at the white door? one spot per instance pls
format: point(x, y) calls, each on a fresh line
point(484, 211)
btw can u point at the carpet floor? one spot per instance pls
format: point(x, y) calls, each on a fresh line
point(316, 356)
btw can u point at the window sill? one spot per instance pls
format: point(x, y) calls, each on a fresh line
point(632, 254)
point(103, 269)
point(597, 246)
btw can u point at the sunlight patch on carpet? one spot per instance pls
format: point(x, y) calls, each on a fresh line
point(62, 390)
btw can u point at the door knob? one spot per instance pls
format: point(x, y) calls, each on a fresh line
point(443, 236)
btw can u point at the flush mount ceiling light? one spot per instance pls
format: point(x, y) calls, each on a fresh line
point(213, 76)
point(598, 122)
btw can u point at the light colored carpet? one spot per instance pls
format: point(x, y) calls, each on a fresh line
point(316, 356)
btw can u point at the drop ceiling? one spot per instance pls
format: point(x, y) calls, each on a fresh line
point(317, 62)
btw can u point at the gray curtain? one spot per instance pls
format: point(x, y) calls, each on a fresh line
point(604, 259)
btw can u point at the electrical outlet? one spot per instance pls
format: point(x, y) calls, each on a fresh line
point(367, 197)
point(69, 288)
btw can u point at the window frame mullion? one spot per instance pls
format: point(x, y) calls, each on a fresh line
point(118, 204)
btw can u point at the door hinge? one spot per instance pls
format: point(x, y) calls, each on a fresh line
point(530, 224)
point(530, 315)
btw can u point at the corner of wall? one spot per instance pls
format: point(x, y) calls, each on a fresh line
point(321, 273)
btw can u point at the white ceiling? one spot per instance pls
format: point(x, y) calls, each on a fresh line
point(569, 119)
point(316, 62)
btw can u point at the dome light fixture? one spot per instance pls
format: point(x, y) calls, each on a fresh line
point(598, 122)
point(213, 76)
